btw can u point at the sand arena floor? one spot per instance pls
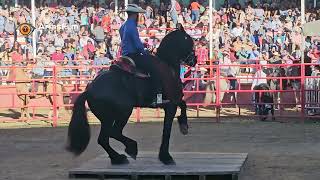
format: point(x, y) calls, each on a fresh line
point(277, 151)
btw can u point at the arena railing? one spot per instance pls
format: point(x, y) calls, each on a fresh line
point(75, 84)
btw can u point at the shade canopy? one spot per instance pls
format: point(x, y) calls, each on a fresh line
point(311, 28)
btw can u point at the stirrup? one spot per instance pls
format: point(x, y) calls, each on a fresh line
point(159, 101)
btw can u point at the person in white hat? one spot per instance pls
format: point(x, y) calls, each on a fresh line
point(132, 47)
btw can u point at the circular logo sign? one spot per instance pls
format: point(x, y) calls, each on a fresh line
point(26, 29)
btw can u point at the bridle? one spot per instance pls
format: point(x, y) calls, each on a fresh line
point(189, 60)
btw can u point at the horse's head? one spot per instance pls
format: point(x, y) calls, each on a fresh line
point(177, 47)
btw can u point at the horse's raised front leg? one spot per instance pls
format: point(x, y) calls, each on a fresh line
point(164, 155)
point(183, 119)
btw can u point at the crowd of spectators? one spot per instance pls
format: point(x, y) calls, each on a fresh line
point(82, 33)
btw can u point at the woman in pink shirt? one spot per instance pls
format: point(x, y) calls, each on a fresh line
point(202, 53)
point(57, 56)
point(89, 50)
point(16, 54)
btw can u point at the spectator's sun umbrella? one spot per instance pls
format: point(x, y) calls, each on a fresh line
point(312, 28)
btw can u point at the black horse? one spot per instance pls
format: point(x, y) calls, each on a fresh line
point(113, 94)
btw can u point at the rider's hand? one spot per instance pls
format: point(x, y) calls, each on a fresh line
point(147, 51)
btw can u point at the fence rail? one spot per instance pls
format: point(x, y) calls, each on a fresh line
point(70, 85)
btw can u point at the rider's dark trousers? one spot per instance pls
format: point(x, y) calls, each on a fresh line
point(145, 62)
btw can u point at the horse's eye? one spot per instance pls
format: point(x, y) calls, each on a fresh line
point(185, 37)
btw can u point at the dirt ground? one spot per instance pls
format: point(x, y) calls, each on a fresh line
point(277, 151)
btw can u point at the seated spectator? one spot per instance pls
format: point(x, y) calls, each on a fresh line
point(84, 39)
point(51, 49)
point(57, 56)
point(9, 25)
point(98, 32)
point(237, 30)
point(100, 59)
point(59, 41)
point(243, 55)
point(2, 23)
point(88, 50)
point(66, 72)
point(314, 54)
point(253, 54)
point(16, 55)
point(84, 19)
point(275, 59)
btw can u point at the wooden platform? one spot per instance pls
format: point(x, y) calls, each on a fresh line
point(195, 165)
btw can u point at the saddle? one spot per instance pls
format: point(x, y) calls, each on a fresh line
point(127, 64)
point(171, 82)
point(40, 87)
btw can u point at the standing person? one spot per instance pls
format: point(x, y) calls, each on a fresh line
point(260, 77)
point(98, 32)
point(173, 12)
point(195, 11)
point(163, 10)
point(132, 47)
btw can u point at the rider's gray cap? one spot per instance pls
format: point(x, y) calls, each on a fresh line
point(134, 8)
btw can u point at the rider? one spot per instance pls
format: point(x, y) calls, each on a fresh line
point(132, 47)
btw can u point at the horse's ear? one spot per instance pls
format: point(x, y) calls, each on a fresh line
point(180, 27)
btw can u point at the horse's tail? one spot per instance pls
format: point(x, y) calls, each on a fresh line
point(79, 130)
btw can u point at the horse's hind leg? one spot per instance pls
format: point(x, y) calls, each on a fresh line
point(272, 113)
point(24, 109)
point(297, 96)
point(235, 99)
point(107, 118)
point(279, 100)
point(50, 114)
point(117, 128)
point(103, 140)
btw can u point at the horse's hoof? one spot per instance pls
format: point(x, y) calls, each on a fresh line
point(167, 159)
point(120, 160)
point(183, 129)
point(183, 125)
point(132, 150)
point(263, 119)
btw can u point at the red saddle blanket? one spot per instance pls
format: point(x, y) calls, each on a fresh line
point(127, 64)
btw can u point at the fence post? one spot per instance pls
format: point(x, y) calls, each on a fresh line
point(211, 68)
point(279, 96)
point(54, 97)
point(138, 116)
point(303, 78)
point(158, 112)
point(197, 89)
point(218, 92)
